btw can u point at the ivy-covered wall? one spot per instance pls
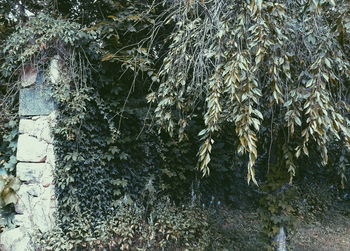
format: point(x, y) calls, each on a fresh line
point(107, 183)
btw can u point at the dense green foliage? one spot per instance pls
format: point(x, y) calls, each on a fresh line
point(139, 82)
point(255, 62)
point(100, 164)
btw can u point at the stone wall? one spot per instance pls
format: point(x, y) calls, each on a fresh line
point(36, 161)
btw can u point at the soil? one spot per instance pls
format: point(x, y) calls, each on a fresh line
point(330, 233)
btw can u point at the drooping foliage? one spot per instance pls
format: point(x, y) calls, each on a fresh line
point(255, 63)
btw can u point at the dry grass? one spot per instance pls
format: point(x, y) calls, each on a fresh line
point(241, 229)
point(329, 233)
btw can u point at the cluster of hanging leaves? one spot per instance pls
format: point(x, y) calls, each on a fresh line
point(248, 59)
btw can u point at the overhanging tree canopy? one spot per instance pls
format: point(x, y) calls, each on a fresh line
point(254, 61)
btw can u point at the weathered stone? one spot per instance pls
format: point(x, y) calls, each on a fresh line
point(26, 126)
point(38, 211)
point(51, 157)
point(43, 215)
point(35, 153)
point(31, 172)
point(48, 193)
point(21, 220)
point(280, 240)
point(15, 240)
point(28, 197)
point(55, 69)
point(47, 178)
point(30, 149)
point(39, 128)
point(53, 117)
point(35, 190)
point(35, 101)
point(29, 76)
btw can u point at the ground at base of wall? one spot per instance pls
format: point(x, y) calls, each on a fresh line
point(241, 229)
point(330, 233)
point(327, 232)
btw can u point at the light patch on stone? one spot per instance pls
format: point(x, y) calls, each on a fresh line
point(39, 128)
point(53, 118)
point(31, 172)
point(28, 197)
point(21, 220)
point(16, 240)
point(26, 126)
point(31, 149)
point(47, 177)
point(42, 215)
point(55, 70)
point(36, 206)
point(51, 157)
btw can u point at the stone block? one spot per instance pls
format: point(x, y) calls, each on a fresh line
point(280, 240)
point(30, 149)
point(21, 220)
point(35, 101)
point(51, 157)
point(26, 126)
point(16, 240)
point(43, 215)
point(55, 69)
point(47, 178)
point(31, 172)
point(36, 206)
point(29, 195)
point(29, 76)
point(35, 153)
point(39, 128)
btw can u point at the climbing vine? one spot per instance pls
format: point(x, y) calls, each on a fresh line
point(94, 151)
